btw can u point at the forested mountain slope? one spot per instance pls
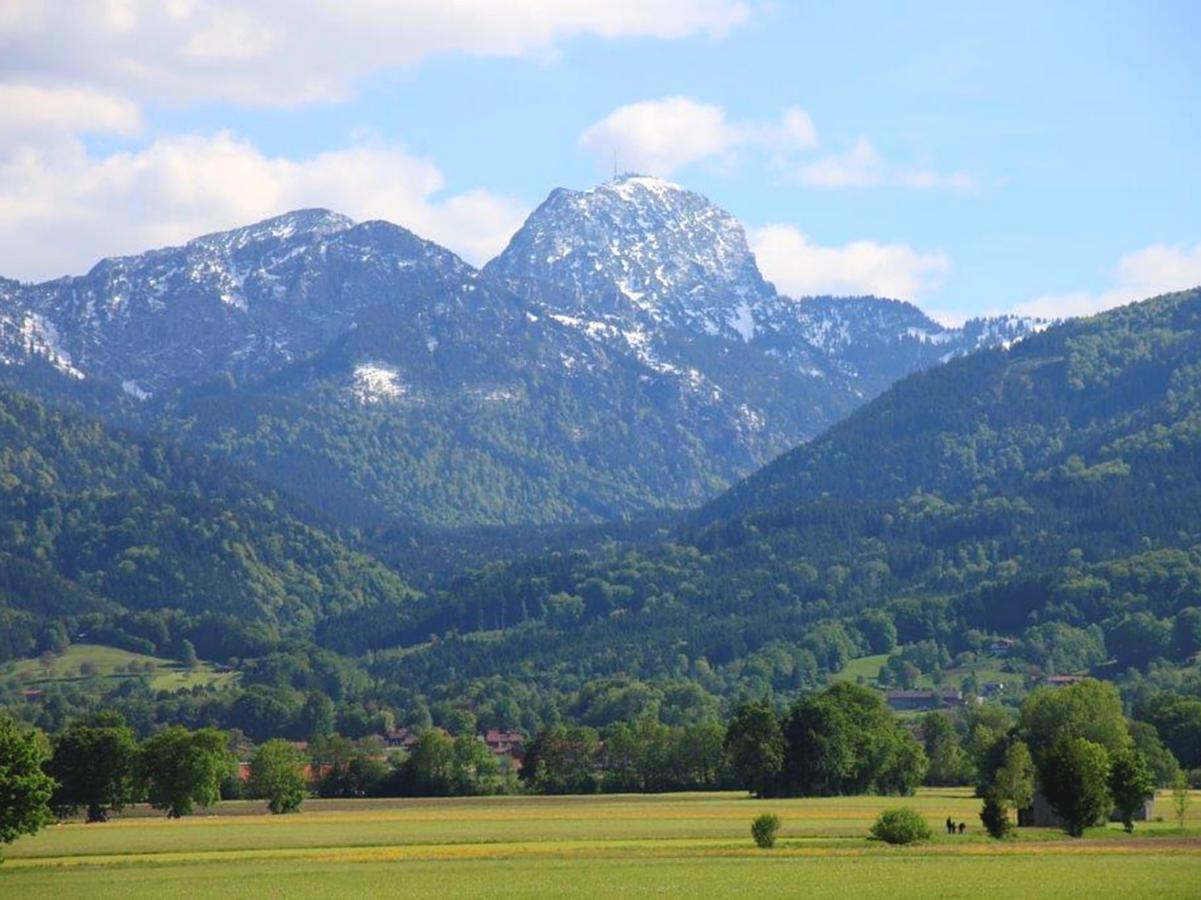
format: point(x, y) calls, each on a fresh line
point(953, 511)
point(97, 526)
point(1115, 398)
point(1050, 492)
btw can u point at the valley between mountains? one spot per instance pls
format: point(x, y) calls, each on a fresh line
point(612, 476)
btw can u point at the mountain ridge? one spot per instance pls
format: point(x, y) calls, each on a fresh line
point(1049, 493)
point(379, 376)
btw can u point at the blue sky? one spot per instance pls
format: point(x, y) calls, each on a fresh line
point(1041, 157)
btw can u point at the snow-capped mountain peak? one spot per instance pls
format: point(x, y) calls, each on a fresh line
point(643, 249)
point(303, 223)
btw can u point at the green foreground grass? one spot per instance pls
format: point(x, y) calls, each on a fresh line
point(589, 846)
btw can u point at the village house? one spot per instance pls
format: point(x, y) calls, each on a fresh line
point(505, 743)
point(907, 700)
point(1063, 680)
point(400, 738)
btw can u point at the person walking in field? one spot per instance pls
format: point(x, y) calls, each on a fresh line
point(950, 826)
point(962, 827)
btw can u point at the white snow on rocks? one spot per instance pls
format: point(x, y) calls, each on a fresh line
point(375, 383)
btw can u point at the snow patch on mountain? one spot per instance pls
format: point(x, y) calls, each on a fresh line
point(375, 383)
point(34, 335)
point(743, 321)
point(135, 390)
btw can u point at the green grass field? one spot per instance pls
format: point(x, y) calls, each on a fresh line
point(590, 846)
point(866, 669)
point(112, 663)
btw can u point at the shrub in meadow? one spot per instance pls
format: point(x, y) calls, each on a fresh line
point(764, 829)
point(903, 825)
point(995, 815)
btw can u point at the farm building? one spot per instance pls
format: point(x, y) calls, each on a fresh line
point(919, 699)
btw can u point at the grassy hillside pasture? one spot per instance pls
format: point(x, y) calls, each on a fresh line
point(588, 846)
point(868, 668)
point(865, 667)
point(113, 663)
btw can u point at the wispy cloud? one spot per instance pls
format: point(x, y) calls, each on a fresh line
point(62, 208)
point(37, 113)
point(862, 166)
point(798, 267)
point(283, 52)
point(1157, 269)
point(661, 136)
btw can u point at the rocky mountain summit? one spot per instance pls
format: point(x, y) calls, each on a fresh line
point(646, 263)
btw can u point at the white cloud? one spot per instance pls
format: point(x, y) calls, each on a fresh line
point(801, 268)
point(61, 208)
point(861, 165)
point(1157, 269)
point(273, 52)
point(70, 69)
point(659, 136)
point(32, 112)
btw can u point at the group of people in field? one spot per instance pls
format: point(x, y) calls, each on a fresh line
point(952, 828)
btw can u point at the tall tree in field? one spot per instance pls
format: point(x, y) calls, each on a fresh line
point(181, 769)
point(846, 741)
point(756, 748)
point(25, 789)
point(473, 767)
point(277, 773)
point(949, 763)
point(1012, 786)
point(429, 769)
point(93, 763)
point(1130, 783)
point(1075, 780)
point(1014, 781)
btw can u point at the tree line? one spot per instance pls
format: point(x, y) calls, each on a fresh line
point(1071, 746)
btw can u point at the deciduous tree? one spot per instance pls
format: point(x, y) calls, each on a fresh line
point(1075, 779)
point(25, 790)
point(182, 769)
point(277, 773)
point(93, 763)
point(756, 748)
point(1130, 783)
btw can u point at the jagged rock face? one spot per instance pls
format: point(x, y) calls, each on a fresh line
point(641, 248)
